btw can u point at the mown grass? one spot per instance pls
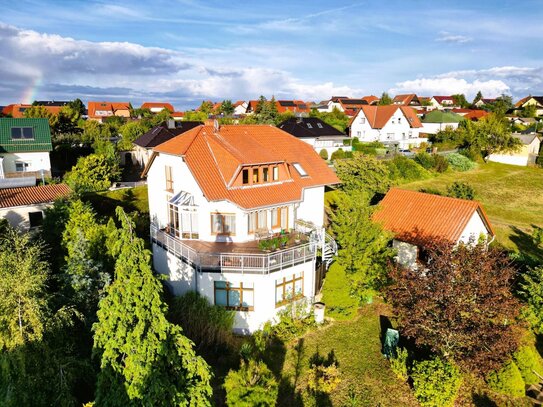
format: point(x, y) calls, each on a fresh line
point(512, 197)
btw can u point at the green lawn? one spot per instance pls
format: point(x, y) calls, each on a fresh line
point(512, 197)
point(366, 379)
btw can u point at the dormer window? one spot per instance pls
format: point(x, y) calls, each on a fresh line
point(22, 133)
point(265, 174)
point(255, 176)
point(245, 176)
point(275, 173)
point(300, 169)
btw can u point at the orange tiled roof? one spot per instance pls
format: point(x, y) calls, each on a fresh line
point(149, 105)
point(178, 114)
point(371, 99)
point(413, 216)
point(15, 110)
point(404, 99)
point(215, 158)
point(476, 114)
point(106, 106)
point(378, 116)
point(13, 197)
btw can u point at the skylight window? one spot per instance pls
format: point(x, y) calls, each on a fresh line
point(300, 169)
point(309, 126)
point(319, 125)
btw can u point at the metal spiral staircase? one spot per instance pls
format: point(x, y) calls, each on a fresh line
point(321, 240)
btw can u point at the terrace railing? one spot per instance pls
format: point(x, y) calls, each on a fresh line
point(251, 263)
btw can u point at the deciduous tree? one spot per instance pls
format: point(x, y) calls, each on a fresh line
point(385, 99)
point(92, 173)
point(363, 173)
point(459, 304)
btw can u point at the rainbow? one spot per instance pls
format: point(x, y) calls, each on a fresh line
point(29, 94)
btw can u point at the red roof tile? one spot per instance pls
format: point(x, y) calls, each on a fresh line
point(413, 216)
point(215, 158)
point(106, 106)
point(13, 197)
point(149, 105)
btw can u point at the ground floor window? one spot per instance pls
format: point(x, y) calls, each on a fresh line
point(35, 219)
point(239, 297)
point(289, 289)
point(21, 166)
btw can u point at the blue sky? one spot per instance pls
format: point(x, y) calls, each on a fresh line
point(185, 51)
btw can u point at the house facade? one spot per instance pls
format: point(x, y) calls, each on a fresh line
point(24, 148)
point(157, 107)
point(413, 217)
point(441, 102)
point(526, 155)
point(23, 207)
point(391, 125)
point(237, 215)
point(100, 111)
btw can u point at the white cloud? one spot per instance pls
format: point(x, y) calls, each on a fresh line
point(492, 82)
point(445, 36)
point(65, 66)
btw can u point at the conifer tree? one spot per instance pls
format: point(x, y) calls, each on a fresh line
point(145, 360)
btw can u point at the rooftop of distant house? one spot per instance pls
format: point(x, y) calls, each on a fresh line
point(14, 197)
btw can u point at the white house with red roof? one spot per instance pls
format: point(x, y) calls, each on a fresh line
point(102, 110)
point(414, 217)
point(442, 102)
point(237, 215)
point(391, 125)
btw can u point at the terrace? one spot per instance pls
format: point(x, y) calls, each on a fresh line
point(298, 247)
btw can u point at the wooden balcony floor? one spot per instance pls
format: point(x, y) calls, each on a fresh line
point(231, 247)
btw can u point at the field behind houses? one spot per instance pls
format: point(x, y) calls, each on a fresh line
point(511, 196)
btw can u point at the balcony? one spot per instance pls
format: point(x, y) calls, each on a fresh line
point(236, 257)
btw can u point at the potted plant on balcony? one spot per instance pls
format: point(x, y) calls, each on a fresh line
point(264, 245)
point(283, 240)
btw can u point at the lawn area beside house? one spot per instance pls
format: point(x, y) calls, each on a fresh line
point(511, 196)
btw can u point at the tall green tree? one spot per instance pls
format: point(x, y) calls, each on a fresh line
point(262, 101)
point(144, 359)
point(92, 173)
point(23, 279)
point(130, 132)
point(206, 106)
point(385, 99)
point(363, 173)
point(477, 97)
point(227, 107)
point(363, 245)
point(460, 100)
point(501, 105)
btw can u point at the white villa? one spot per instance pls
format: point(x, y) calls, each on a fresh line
point(392, 125)
point(414, 217)
point(237, 215)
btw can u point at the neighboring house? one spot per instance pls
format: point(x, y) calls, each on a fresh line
point(215, 196)
point(347, 105)
point(102, 110)
point(24, 148)
point(407, 100)
point(527, 154)
point(483, 102)
point(318, 134)
point(240, 107)
point(143, 145)
point(442, 102)
point(438, 120)
point(157, 107)
point(17, 110)
point(294, 106)
point(177, 116)
point(414, 217)
point(23, 207)
point(536, 101)
point(391, 125)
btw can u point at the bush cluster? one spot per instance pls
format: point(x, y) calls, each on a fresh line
point(404, 169)
point(508, 380)
point(461, 190)
point(434, 162)
point(436, 382)
point(528, 360)
point(460, 163)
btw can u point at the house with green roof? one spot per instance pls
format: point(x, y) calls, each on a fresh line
point(24, 148)
point(437, 120)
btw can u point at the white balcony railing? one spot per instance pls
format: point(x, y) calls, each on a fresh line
point(252, 263)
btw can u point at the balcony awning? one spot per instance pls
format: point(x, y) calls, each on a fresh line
point(182, 199)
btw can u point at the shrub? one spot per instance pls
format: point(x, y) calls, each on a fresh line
point(440, 163)
point(323, 379)
point(461, 190)
point(399, 364)
point(337, 155)
point(508, 380)
point(294, 320)
point(208, 326)
point(460, 163)
point(94, 172)
point(340, 304)
point(426, 160)
point(252, 385)
point(405, 169)
point(324, 154)
point(528, 360)
point(436, 382)
point(432, 191)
